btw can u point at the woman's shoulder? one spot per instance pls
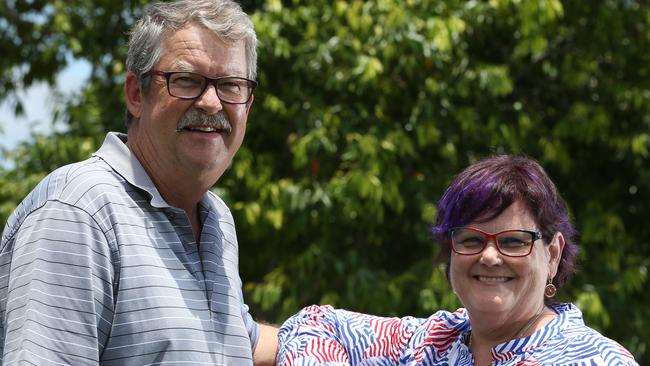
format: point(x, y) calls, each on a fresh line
point(575, 341)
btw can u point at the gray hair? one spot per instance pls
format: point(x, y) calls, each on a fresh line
point(223, 17)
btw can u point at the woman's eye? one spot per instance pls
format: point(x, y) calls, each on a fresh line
point(472, 241)
point(511, 242)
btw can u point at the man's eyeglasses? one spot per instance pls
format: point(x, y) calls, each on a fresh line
point(190, 85)
point(511, 243)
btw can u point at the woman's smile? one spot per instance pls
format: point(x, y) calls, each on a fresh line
point(492, 279)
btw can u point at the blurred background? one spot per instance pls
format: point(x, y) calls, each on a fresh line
point(365, 112)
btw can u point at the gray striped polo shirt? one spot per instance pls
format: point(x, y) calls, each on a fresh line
point(96, 268)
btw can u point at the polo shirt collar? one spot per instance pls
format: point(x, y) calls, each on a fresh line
point(120, 158)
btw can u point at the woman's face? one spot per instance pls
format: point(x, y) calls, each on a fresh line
point(492, 284)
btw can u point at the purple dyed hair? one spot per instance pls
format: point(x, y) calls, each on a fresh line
point(485, 189)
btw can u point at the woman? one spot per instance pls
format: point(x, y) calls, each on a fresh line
point(507, 243)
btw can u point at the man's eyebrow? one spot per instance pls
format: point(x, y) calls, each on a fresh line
point(185, 67)
point(182, 66)
point(237, 73)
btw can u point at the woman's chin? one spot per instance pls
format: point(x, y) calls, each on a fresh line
point(485, 304)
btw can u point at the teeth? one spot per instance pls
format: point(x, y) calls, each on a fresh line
point(203, 128)
point(492, 279)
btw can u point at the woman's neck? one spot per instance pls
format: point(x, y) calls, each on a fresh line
point(485, 336)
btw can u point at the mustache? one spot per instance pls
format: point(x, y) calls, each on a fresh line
point(194, 117)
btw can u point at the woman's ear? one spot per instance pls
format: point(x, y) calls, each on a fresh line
point(555, 248)
point(133, 94)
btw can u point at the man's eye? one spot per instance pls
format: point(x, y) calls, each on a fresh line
point(186, 80)
point(230, 86)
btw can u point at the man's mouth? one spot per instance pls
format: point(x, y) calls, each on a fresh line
point(205, 129)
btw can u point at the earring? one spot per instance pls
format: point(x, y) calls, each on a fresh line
point(550, 290)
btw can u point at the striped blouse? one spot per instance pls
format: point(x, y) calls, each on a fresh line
point(97, 269)
point(321, 335)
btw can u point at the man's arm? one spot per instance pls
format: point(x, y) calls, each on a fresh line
point(56, 289)
point(267, 346)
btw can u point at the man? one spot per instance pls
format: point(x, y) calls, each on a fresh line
point(127, 258)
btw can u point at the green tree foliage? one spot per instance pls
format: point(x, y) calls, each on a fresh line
point(365, 111)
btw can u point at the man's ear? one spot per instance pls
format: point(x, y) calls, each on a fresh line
point(133, 94)
point(555, 249)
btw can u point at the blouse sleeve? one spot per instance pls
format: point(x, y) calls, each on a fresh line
point(322, 335)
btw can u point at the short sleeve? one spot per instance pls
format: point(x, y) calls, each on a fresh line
point(56, 289)
point(251, 326)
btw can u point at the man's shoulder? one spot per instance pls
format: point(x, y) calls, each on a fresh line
point(84, 185)
point(74, 183)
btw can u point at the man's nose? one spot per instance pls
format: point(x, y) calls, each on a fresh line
point(209, 101)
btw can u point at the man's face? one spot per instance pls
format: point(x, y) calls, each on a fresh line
point(170, 133)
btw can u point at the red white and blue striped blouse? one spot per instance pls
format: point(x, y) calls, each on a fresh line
point(322, 335)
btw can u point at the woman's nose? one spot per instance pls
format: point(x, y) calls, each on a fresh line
point(490, 256)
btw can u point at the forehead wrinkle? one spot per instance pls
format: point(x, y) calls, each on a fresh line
point(185, 52)
point(200, 54)
point(180, 63)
